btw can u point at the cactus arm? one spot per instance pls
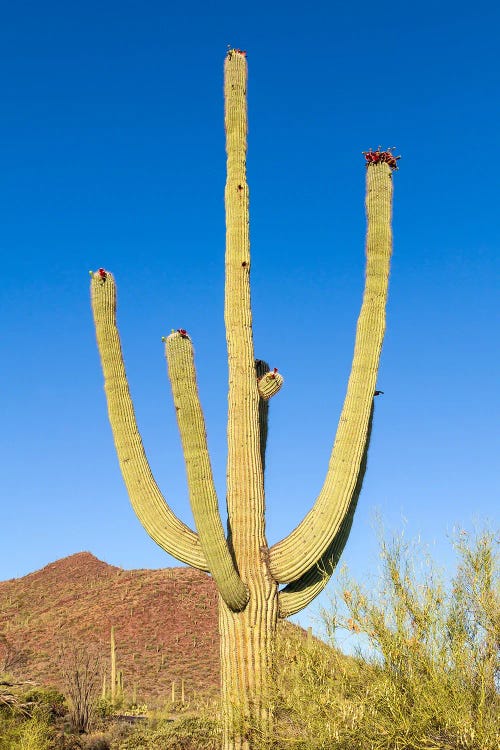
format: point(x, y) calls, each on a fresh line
point(160, 522)
point(245, 485)
point(261, 368)
point(191, 422)
point(298, 594)
point(269, 384)
point(308, 542)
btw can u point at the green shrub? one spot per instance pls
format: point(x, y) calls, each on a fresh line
point(48, 697)
point(10, 730)
point(426, 673)
point(95, 742)
point(187, 733)
point(27, 719)
point(36, 733)
point(104, 708)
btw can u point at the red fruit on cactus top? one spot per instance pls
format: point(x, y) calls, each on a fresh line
point(182, 331)
point(102, 273)
point(374, 157)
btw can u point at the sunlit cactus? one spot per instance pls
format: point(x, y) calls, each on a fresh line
point(248, 572)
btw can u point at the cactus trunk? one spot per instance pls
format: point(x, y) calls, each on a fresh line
point(246, 570)
point(246, 656)
point(246, 636)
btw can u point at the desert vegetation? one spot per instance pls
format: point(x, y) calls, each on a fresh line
point(425, 670)
point(422, 673)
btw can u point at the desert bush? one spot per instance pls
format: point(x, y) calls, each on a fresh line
point(10, 730)
point(426, 671)
point(186, 733)
point(103, 708)
point(19, 732)
point(118, 731)
point(81, 669)
point(27, 718)
point(37, 732)
point(47, 697)
point(95, 742)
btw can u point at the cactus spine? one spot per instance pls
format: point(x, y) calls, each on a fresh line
point(247, 571)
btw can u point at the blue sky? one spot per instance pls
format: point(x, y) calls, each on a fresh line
point(112, 154)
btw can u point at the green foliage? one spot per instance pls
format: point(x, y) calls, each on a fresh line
point(27, 717)
point(426, 674)
point(104, 708)
point(37, 732)
point(10, 730)
point(187, 733)
point(46, 698)
point(34, 733)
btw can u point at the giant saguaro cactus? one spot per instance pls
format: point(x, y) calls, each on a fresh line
point(248, 572)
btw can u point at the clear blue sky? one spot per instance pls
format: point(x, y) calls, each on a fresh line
point(112, 154)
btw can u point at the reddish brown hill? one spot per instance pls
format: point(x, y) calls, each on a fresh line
point(165, 622)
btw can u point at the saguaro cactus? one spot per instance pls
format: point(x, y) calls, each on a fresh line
point(248, 572)
point(113, 680)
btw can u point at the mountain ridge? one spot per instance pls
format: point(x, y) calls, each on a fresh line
point(165, 624)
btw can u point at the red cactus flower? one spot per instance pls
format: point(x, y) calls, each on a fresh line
point(374, 157)
point(391, 160)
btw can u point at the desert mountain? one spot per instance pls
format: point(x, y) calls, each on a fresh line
point(165, 624)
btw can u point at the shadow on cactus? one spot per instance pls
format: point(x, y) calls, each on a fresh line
point(257, 583)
